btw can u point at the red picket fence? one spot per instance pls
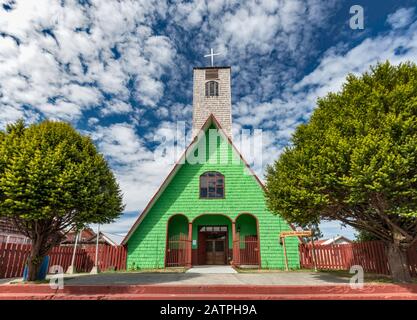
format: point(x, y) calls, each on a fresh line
point(13, 257)
point(370, 255)
point(248, 251)
point(176, 251)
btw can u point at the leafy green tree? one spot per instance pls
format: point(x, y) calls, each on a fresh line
point(356, 161)
point(363, 236)
point(53, 179)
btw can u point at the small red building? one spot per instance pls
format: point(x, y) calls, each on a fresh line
point(89, 237)
point(9, 233)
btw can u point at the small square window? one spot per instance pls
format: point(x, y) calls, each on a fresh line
point(212, 185)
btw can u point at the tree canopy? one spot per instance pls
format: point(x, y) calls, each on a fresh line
point(356, 159)
point(52, 179)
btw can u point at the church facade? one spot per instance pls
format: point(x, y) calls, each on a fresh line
point(211, 208)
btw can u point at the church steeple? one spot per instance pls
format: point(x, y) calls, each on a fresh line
point(212, 95)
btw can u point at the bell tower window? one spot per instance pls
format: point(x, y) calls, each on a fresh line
point(212, 89)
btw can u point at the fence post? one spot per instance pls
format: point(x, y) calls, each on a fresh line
point(95, 269)
point(314, 254)
point(71, 268)
point(285, 253)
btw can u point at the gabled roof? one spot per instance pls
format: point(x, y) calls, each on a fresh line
point(335, 239)
point(210, 120)
point(111, 238)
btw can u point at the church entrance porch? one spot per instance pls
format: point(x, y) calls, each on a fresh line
point(212, 239)
point(212, 245)
point(246, 241)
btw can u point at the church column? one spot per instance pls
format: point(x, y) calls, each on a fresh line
point(190, 245)
point(235, 246)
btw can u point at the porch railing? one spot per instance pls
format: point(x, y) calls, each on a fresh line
point(176, 251)
point(247, 250)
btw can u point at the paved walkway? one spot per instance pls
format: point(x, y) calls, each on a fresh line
point(166, 278)
point(211, 269)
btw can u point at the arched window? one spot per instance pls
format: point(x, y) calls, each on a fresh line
point(211, 185)
point(212, 89)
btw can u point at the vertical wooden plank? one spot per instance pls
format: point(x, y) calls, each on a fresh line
point(116, 257)
point(2, 259)
point(124, 250)
point(301, 254)
point(113, 257)
point(375, 258)
point(15, 265)
point(120, 262)
point(105, 257)
point(322, 257)
point(367, 257)
point(9, 260)
point(11, 268)
point(333, 256)
point(325, 256)
point(20, 252)
point(382, 257)
point(285, 253)
point(364, 256)
point(318, 256)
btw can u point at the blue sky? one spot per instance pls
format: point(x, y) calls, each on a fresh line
point(121, 71)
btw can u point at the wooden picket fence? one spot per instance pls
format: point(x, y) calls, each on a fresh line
point(371, 255)
point(13, 257)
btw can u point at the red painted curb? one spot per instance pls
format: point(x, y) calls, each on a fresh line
point(203, 292)
point(385, 296)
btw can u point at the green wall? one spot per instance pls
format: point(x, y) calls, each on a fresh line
point(243, 194)
point(178, 224)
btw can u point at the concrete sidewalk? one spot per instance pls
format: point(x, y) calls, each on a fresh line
point(211, 269)
point(175, 278)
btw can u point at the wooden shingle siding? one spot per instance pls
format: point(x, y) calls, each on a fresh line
point(243, 194)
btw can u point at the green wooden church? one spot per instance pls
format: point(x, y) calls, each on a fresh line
point(210, 209)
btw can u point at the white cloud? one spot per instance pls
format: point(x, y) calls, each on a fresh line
point(116, 107)
point(62, 52)
point(331, 229)
point(139, 170)
point(401, 18)
point(280, 116)
point(334, 67)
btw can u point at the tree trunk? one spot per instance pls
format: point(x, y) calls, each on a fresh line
point(35, 259)
point(397, 260)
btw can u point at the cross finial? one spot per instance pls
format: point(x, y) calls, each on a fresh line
point(211, 55)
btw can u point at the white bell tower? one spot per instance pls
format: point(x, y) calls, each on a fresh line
point(212, 95)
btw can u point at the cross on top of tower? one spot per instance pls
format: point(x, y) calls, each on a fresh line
point(211, 55)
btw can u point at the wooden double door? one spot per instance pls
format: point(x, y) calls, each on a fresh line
point(213, 248)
